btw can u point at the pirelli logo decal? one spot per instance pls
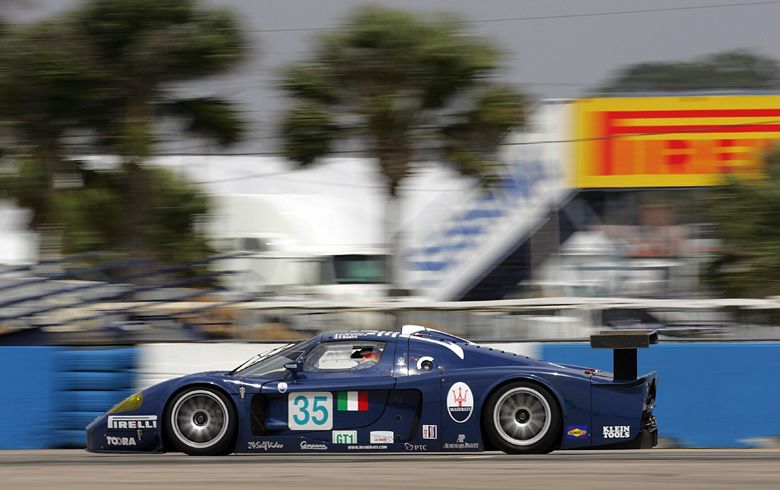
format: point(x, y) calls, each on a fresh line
point(132, 421)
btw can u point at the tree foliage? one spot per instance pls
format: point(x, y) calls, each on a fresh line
point(96, 215)
point(101, 79)
point(730, 70)
point(400, 88)
point(747, 214)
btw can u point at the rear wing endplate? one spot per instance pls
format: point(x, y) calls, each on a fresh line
point(624, 344)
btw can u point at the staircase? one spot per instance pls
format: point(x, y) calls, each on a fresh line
point(485, 246)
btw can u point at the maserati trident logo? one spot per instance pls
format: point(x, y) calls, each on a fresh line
point(460, 402)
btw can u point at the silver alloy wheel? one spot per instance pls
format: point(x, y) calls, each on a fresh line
point(200, 419)
point(522, 416)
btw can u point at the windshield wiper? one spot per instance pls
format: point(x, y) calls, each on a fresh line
point(260, 357)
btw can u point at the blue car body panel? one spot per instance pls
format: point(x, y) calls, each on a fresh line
point(399, 404)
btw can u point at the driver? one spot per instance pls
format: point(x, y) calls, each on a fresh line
point(365, 356)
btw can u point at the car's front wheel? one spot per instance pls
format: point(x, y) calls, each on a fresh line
point(201, 421)
point(522, 417)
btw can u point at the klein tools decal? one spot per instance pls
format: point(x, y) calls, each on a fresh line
point(351, 401)
point(616, 431)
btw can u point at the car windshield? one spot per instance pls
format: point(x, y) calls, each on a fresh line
point(270, 364)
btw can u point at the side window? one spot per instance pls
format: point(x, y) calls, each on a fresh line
point(344, 356)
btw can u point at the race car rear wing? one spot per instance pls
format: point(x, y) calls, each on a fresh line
point(624, 344)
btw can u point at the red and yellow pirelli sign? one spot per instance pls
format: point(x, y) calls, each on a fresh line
point(672, 141)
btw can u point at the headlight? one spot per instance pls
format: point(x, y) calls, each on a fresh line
point(132, 402)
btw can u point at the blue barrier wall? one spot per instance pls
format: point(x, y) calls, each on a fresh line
point(49, 394)
point(88, 381)
point(709, 394)
point(27, 391)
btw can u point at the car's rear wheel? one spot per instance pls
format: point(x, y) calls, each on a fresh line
point(201, 421)
point(522, 417)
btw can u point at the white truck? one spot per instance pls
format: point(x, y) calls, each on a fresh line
point(298, 246)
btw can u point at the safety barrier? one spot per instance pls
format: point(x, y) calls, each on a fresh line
point(27, 394)
point(49, 394)
point(88, 382)
point(710, 394)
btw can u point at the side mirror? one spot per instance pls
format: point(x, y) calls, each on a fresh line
point(294, 367)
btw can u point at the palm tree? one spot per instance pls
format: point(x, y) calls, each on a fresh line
point(105, 77)
point(144, 47)
point(399, 88)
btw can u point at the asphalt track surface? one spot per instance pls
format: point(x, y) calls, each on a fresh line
point(649, 469)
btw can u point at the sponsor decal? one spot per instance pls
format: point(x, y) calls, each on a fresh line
point(282, 387)
point(672, 141)
point(120, 441)
point(576, 431)
point(264, 445)
point(345, 335)
point(415, 447)
point(460, 402)
point(309, 446)
point(460, 443)
point(352, 401)
point(430, 432)
point(381, 437)
point(132, 421)
point(616, 431)
point(344, 436)
point(242, 392)
point(400, 362)
point(366, 447)
point(310, 410)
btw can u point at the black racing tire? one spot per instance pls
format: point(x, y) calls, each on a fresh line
point(522, 418)
point(201, 421)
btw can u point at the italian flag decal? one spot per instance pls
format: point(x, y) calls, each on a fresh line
point(352, 401)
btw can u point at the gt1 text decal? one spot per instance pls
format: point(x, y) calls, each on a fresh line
point(310, 410)
point(344, 437)
point(460, 402)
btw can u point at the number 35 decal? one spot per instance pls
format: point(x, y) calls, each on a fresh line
point(310, 410)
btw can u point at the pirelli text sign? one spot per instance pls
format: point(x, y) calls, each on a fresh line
point(672, 141)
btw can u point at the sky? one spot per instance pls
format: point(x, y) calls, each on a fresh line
point(552, 48)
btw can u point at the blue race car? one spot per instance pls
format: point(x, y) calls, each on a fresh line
point(380, 391)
